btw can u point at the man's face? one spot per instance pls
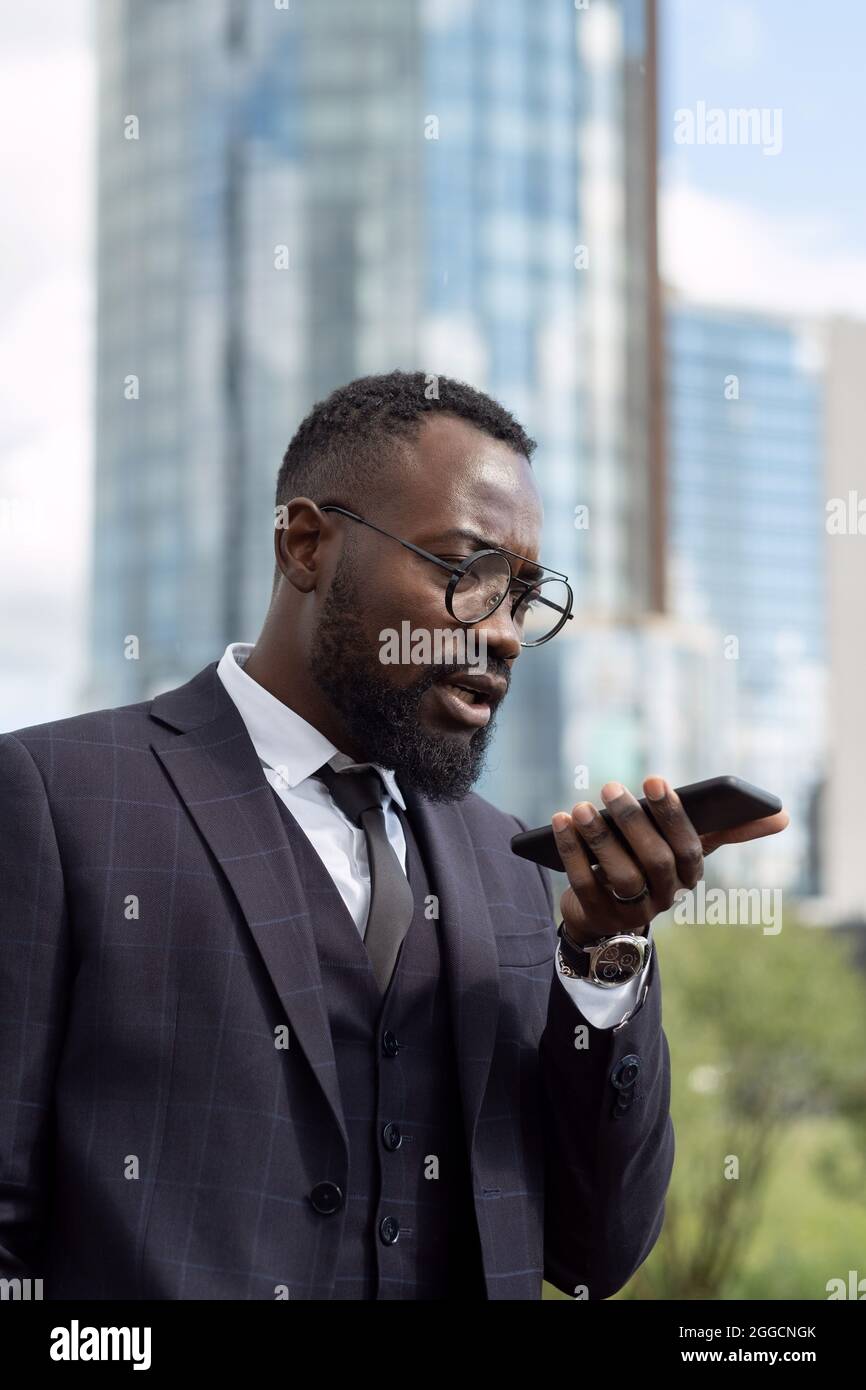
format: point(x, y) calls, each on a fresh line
point(460, 491)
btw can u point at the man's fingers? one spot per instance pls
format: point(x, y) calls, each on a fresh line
point(653, 854)
point(752, 830)
point(572, 852)
point(673, 824)
point(621, 872)
point(590, 879)
point(587, 907)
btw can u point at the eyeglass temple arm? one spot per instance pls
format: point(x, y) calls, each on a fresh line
point(353, 516)
point(444, 564)
point(425, 554)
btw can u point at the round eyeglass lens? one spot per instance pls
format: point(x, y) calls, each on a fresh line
point(541, 611)
point(480, 588)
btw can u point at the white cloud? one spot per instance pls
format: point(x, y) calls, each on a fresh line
point(45, 499)
point(45, 166)
point(47, 82)
point(720, 251)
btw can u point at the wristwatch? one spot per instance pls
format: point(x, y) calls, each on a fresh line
point(608, 962)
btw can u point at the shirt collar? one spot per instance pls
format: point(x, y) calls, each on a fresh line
point(280, 736)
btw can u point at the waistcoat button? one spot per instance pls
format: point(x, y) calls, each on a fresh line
point(389, 1230)
point(391, 1137)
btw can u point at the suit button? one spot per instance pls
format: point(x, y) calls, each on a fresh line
point(391, 1137)
point(625, 1073)
point(389, 1230)
point(326, 1197)
point(390, 1045)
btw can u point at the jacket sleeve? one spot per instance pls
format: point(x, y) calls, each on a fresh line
point(608, 1140)
point(34, 964)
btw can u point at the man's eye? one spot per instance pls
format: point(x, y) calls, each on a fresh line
point(454, 559)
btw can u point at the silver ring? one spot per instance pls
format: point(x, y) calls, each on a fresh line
point(637, 897)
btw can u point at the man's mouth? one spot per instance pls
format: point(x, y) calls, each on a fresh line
point(470, 699)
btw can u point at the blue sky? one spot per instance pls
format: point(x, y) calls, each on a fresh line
point(808, 60)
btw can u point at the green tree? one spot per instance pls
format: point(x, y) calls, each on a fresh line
point(764, 1030)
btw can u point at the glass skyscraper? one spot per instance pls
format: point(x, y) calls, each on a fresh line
point(747, 548)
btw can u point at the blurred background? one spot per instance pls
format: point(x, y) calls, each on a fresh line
point(640, 226)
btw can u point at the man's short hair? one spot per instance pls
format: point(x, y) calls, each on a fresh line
point(343, 451)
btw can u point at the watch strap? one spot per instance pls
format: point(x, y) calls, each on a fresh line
point(577, 960)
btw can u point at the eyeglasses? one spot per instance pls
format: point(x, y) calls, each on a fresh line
point(481, 582)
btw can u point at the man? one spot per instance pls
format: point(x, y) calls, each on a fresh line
point(272, 1028)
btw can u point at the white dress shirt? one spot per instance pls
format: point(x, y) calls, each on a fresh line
point(291, 751)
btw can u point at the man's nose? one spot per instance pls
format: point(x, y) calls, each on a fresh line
point(501, 634)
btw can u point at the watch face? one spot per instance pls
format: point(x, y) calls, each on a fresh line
point(617, 961)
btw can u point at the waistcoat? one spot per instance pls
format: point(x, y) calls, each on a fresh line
point(410, 1230)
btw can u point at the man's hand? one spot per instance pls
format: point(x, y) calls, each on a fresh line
point(663, 855)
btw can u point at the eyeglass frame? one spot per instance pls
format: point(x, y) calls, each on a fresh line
point(457, 572)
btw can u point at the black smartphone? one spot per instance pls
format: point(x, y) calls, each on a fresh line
point(719, 803)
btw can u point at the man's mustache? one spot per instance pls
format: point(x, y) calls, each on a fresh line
point(450, 670)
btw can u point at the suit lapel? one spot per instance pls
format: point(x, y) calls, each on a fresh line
point(469, 944)
point(217, 774)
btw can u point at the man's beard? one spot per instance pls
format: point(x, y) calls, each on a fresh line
point(381, 718)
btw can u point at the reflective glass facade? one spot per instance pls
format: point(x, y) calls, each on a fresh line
point(747, 543)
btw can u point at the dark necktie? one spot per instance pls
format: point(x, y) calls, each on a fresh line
point(359, 795)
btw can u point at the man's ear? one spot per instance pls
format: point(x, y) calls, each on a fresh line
point(299, 531)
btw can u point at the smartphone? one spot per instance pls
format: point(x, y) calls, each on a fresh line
point(719, 803)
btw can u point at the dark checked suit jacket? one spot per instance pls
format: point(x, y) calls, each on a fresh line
point(166, 800)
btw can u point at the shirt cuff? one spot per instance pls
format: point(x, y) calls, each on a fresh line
point(603, 1008)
